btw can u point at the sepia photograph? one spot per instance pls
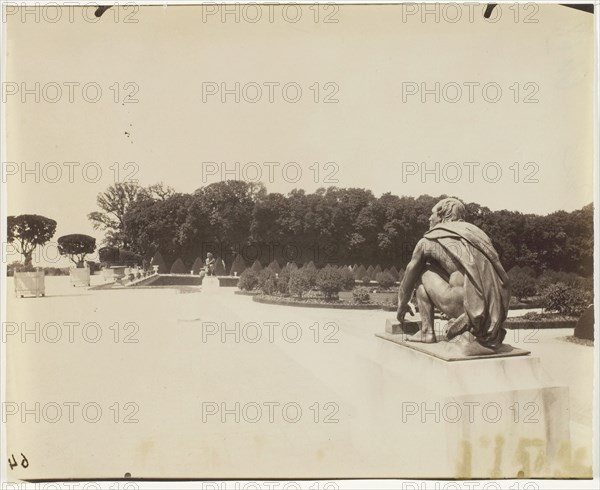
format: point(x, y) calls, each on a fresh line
point(299, 245)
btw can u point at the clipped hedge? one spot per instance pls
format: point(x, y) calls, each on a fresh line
point(330, 282)
point(197, 266)
point(248, 280)
point(179, 267)
point(160, 262)
point(238, 266)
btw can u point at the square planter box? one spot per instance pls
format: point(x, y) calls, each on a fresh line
point(30, 283)
point(80, 276)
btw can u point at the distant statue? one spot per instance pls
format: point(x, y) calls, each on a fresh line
point(456, 269)
point(210, 264)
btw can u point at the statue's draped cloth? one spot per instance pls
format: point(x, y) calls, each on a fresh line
point(486, 287)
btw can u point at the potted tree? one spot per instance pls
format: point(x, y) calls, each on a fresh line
point(76, 247)
point(26, 232)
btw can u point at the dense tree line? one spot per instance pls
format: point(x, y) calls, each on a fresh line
point(334, 225)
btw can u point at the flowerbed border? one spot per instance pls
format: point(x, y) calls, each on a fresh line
point(274, 300)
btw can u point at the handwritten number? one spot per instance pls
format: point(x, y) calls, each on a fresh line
point(12, 461)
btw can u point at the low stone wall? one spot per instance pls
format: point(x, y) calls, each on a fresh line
point(178, 280)
point(228, 281)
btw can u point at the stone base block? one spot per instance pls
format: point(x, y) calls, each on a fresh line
point(210, 284)
point(495, 417)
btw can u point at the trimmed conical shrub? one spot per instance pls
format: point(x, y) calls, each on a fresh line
point(377, 270)
point(275, 267)
point(371, 272)
point(310, 264)
point(238, 266)
point(219, 267)
point(160, 262)
point(257, 266)
point(360, 272)
point(401, 274)
point(394, 272)
point(198, 265)
point(179, 267)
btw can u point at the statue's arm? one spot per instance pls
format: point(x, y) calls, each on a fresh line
point(414, 269)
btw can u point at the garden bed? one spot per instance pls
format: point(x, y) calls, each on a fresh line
point(578, 341)
point(551, 321)
point(247, 293)
point(312, 303)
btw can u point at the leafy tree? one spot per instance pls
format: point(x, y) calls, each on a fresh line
point(28, 231)
point(330, 282)
point(522, 282)
point(229, 206)
point(76, 247)
point(108, 255)
point(114, 203)
point(337, 225)
point(172, 225)
point(160, 191)
point(129, 258)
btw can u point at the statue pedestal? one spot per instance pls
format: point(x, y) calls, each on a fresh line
point(210, 284)
point(495, 416)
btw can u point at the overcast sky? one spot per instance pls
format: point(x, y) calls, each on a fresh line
point(370, 61)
